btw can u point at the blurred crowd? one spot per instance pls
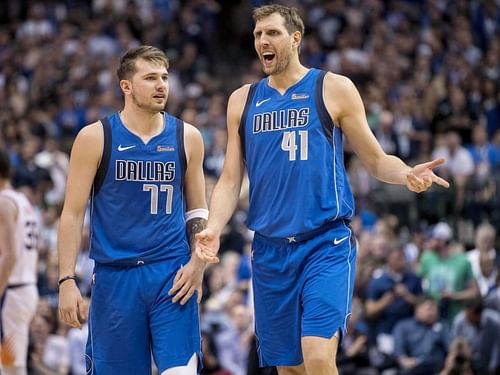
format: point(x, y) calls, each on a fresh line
point(427, 296)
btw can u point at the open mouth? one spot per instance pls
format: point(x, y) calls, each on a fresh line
point(268, 57)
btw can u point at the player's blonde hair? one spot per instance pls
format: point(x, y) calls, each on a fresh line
point(293, 21)
point(148, 53)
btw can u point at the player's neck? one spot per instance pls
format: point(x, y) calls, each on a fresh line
point(290, 76)
point(145, 124)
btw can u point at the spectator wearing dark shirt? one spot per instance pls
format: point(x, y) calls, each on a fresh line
point(421, 342)
point(392, 294)
point(481, 328)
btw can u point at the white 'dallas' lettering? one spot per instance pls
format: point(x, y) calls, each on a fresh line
point(280, 120)
point(144, 171)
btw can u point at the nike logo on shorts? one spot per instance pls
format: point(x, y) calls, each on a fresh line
point(260, 102)
point(339, 241)
point(125, 148)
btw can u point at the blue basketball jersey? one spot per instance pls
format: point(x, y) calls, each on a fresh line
point(294, 158)
point(137, 201)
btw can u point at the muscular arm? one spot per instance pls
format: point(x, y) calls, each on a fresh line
point(8, 217)
point(85, 157)
point(227, 190)
point(194, 180)
point(345, 106)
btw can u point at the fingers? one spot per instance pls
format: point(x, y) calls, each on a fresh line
point(433, 164)
point(82, 311)
point(70, 316)
point(199, 294)
point(440, 181)
point(206, 255)
point(415, 183)
point(178, 282)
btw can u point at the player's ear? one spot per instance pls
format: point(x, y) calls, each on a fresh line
point(125, 86)
point(297, 38)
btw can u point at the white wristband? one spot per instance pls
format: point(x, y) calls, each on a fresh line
point(197, 212)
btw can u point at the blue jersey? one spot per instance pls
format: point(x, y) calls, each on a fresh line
point(294, 158)
point(137, 201)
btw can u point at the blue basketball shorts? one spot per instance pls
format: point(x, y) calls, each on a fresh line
point(302, 287)
point(132, 318)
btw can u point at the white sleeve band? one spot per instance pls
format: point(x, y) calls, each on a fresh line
point(197, 212)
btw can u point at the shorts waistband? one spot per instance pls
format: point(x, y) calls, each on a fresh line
point(302, 237)
point(19, 285)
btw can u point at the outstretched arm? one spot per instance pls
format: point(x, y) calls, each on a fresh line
point(227, 190)
point(85, 157)
point(346, 107)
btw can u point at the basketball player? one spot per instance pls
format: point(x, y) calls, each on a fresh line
point(142, 168)
point(287, 130)
point(18, 266)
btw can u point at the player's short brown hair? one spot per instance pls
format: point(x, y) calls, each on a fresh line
point(148, 53)
point(293, 21)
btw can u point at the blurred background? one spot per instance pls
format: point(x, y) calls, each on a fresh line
point(429, 75)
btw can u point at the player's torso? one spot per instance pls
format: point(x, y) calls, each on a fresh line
point(138, 211)
point(294, 158)
point(27, 234)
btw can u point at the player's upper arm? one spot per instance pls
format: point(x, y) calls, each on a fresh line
point(194, 186)
point(8, 218)
point(84, 161)
point(346, 108)
point(233, 163)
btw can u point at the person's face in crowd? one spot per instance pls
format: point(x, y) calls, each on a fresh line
point(240, 315)
point(274, 44)
point(473, 316)
point(148, 87)
point(485, 238)
point(396, 261)
point(427, 312)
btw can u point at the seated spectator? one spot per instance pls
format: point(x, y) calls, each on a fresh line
point(392, 294)
point(421, 343)
point(480, 327)
point(484, 241)
point(447, 274)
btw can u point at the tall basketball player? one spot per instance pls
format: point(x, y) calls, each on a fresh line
point(142, 169)
point(287, 130)
point(18, 272)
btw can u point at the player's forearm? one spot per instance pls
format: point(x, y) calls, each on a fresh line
point(68, 243)
point(391, 169)
point(223, 203)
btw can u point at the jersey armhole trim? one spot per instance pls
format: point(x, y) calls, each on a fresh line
point(182, 149)
point(102, 170)
point(243, 120)
point(324, 117)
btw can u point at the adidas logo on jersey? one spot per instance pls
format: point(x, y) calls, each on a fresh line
point(300, 96)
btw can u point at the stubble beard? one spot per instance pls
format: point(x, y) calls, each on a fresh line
point(281, 65)
point(147, 107)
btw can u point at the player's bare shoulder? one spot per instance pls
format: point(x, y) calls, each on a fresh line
point(339, 93)
point(236, 104)
point(89, 143)
point(193, 141)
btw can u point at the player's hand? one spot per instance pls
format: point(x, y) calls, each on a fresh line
point(207, 245)
point(421, 177)
point(188, 280)
point(72, 308)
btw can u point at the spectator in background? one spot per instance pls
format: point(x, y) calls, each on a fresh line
point(392, 295)
point(447, 274)
point(481, 328)
point(484, 253)
point(459, 165)
point(421, 343)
